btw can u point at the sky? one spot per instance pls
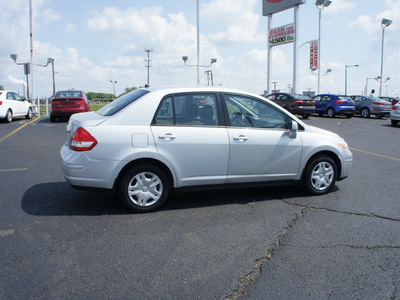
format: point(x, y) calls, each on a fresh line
point(94, 42)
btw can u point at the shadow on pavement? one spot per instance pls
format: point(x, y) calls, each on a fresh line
point(60, 199)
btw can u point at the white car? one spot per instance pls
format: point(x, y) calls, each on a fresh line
point(150, 141)
point(13, 105)
point(395, 114)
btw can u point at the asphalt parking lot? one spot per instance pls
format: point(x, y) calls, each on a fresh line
point(247, 243)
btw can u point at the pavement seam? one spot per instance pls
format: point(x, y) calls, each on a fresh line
point(259, 262)
point(344, 212)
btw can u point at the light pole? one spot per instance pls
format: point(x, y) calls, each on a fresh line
point(27, 71)
point(185, 59)
point(345, 76)
point(385, 23)
point(320, 4)
point(366, 84)
point(148, 60)
point(113, 83)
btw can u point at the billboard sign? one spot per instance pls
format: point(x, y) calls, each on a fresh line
point(314, 52)
point(273, 6)
point(282, 35)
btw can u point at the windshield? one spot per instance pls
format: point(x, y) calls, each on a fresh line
point(344, 98)
point(121, 103)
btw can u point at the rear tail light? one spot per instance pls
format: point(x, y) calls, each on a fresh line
point(82, 140)
point(395, 107)
point(339, 101)
point(378, 103)
point(313, 102)
point(1, 102)
point(298, 101)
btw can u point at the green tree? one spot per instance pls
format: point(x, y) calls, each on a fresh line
point(1, 88)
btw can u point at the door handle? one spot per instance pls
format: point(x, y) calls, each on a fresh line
point(167, 136)
point(240, 138)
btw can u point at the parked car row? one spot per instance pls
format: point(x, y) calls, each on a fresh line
point(333, 104)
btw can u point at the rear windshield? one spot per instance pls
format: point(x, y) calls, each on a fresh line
point(121, 103)
point(344, 98)
point(300, 97)
point(69, 94)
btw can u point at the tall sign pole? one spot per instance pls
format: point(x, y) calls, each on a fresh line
point(283, 34)
point(31, 39)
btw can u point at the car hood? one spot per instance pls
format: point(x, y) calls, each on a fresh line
point(86, 119)
point(322, 131)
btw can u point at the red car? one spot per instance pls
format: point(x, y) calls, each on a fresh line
point(66, 103)
point(392, 100)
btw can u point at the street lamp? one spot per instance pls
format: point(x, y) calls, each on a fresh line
point(345, 76)
point(320, 4)
point(27, 71)
point(385, 23)
point(366, 84)
point(113, 83)
point(186, 58)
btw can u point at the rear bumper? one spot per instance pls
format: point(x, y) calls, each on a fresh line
point(64, 112)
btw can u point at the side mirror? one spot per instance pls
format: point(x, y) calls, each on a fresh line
point(293, 130)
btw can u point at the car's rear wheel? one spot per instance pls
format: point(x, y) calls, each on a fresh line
point(143, 188)
point(379, 116)
point(331, 112)
point(394, 122)
point(320, 175)
point(52, 119)
point(9, 116)
point(365, 113)
point(29, 114)
point(305, 116)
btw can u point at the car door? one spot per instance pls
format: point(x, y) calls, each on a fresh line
point(187, 133)
point(317, 100)
point(12, 104)
point(358, 100)
point(21, 108)
point(260, 146)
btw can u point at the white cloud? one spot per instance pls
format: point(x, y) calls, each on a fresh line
point(338, 6)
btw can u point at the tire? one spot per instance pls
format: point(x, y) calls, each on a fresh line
point(143, 188)
point(9, 116)
point(394, 122)
point(52, 119)
point(305, 116)
point(320, 175)
point(320, 114)
point(331, 113)
point(365, 113)
point(29, 114)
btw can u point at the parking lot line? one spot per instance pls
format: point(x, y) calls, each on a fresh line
point(380, 155)
point(18, 129)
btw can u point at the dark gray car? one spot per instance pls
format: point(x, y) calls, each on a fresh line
point(370, 105)
point(294, 103)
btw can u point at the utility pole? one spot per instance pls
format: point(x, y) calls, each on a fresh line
point(209, 74)
point(274, 83)
point(148, 60)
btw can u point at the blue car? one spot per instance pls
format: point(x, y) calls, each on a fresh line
point(333, 105)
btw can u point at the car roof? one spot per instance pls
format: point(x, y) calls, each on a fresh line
point(190, 89)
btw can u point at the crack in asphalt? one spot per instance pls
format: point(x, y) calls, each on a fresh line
point(343, 212)
point(258, 262)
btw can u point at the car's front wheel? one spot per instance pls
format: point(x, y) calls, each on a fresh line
point(320, 175)
point(29, 114)
point(305, 116)
point(394, 122)
point(9, 116)
point(143, 188)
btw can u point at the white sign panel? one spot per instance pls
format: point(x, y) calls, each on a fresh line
point(282, 35)
point(273, 6)
point(314, 52)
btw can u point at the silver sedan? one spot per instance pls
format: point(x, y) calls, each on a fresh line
point(150, 141)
